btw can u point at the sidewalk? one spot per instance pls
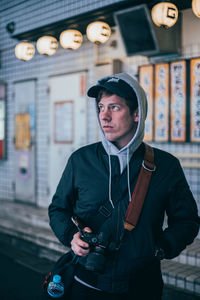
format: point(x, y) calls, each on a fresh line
point(30, 224)
point(26, 228)
point(19, 282)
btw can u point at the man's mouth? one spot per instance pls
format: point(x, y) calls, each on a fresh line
point(107, 126)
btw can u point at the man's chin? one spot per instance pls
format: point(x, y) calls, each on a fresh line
point(109, 137)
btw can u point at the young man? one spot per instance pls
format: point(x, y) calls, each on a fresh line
point(96, 186)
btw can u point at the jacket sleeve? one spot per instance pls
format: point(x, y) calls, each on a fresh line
point(61, 207)
point(183, 220)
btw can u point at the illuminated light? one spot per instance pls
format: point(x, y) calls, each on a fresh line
point(47, 45)
point(196, 7)
point(164, 14)
point(71, 39)
point(98, 32)
point(24, 51)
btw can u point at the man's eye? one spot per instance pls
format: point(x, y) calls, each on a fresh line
point(100, 108)
point(115, 108)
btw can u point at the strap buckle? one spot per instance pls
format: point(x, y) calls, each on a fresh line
point(147, 168)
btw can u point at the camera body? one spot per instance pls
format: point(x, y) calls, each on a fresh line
point(95, 260)
point(93, 239)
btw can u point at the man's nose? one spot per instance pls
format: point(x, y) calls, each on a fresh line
point(105, 115)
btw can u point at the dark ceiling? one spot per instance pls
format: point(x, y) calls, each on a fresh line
point(181, 4)
point(80, 22)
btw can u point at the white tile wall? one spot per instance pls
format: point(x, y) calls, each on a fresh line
point(26, 14)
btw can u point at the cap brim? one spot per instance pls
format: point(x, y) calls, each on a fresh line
point(94, 91)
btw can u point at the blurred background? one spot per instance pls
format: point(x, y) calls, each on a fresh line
point(51, 52)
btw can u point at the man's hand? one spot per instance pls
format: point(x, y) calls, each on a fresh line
point(79, 247)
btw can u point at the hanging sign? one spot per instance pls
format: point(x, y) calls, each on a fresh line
point(146, 81)
point(178, 101)
point(162, 102)
point(195, 100)
point(63, 122)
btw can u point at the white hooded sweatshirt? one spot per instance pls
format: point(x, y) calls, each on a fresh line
point(127, 151)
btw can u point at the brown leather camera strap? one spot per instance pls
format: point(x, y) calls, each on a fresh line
point(140, 191)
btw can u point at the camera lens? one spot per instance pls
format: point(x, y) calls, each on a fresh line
point(96, 260)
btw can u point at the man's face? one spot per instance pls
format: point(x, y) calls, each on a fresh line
point(117, 123)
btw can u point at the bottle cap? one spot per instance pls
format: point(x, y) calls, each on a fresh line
point(57, 278)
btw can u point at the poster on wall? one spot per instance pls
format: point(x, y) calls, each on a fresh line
point(22, 131)
point(162, 102)
point(146, 81)
point(178, 101)
point(63, 122)
point(195, 100)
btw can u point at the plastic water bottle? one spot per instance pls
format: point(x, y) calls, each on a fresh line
point(56, 288)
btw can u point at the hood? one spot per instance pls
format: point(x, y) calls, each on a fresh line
point(137, 139)
point(122, 84)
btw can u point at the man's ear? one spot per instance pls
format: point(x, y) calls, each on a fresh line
point(136, 115)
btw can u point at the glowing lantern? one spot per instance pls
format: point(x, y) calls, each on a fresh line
point(71, 39)
point(196, 7)
point(98, 32)
point(24, 51)
point(164, 14)
point(47, 45)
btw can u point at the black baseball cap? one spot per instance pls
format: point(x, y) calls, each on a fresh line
point(114, 85)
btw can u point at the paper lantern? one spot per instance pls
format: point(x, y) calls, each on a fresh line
point(98, 32)
point(47, 45)
point(71, 39)
point(196, 7)
point(164, 14)
point(24, 51)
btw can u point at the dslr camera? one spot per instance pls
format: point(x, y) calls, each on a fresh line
point(95, 260)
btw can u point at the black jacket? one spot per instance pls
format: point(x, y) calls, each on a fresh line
point(83, 189)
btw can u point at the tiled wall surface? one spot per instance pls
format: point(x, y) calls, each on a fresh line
point(31, 12)
point(178, 149)
point(27, 15)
